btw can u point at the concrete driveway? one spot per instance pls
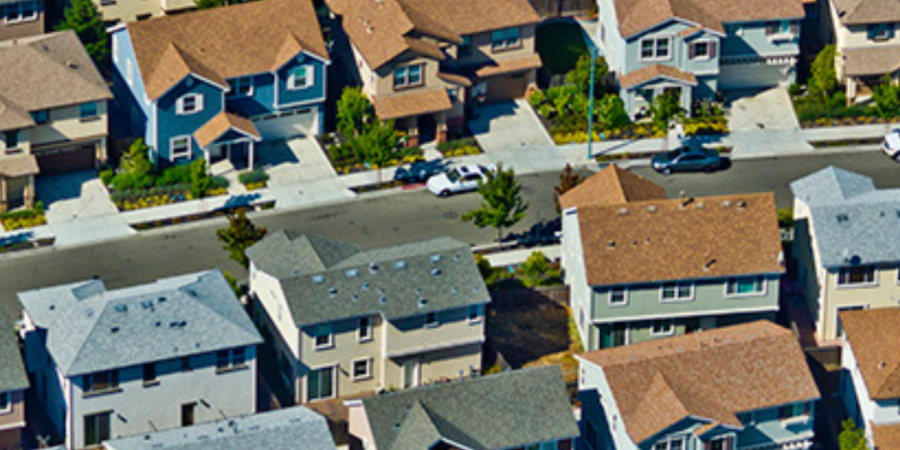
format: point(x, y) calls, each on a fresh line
point(294, 161)
point(74, 196)
point(767, 110)
point(507, 126)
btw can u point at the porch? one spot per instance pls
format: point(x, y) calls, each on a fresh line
point(227, 137)
point(17, 181)
point(422, 115)
point(642, 86)
point(864, 68)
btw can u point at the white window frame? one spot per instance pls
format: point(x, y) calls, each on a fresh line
point(709, 43)
point(678, 285)
point(872, 283)
point(368, 375)
point(668, 442)
point(435, 324)
point(369, 335)
point(334, 382)
point(625, 297)
point(190, 151)
point(310, 73)
point(405, 82)
point(762, 281)
point(21, 18)
point(237, 82)
point(656, 40)
point(326, 331)
point(198, 104)
point(478, 314)
point(667, 332)
point(8, 407)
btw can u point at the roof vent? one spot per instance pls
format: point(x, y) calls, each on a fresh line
point(652, 208)
point(354, 297)
point(454, 290)
point(161, 299)
point(841, 218)
point(382, 300)
point(318, 279)
point(121, 308)
point(332, 291)
point(114, 330)
point(435, 259)
point(622, 211)
point(610, 244)
point(881, 365)
point(423, 302)
point(52, 307)
point(456, 257)
point(402, 264)
point(741, 204)
point(352, 273)
point(435, 271)
point(709, 264)
point(147, 304)
point(71, 64)
point(158, 324)
point(726, 203)
point(634, 243)
point(365, 287)
point(699, 205)
point(373, 268)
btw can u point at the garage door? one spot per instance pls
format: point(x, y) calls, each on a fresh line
point(506, 88)
point(66, 159)
point(743, 76)
point(288, 124)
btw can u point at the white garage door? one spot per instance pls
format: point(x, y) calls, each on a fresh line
point(289, 124)
point(743, 76)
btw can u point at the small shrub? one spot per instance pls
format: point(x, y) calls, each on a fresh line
point(253, 176)
point(794, 89)
point(107, 176)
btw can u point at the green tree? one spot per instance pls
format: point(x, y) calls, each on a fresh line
point(580, 76)
point(240, 235)
point(664, 108)
point(568, 179)
point(887, 98)
point(824, 77)
point(200, 179)
point(502, 205)
point(354, 112)
point(538, 270)
point(851, 438)
point(378, 144)
point(135, 168)
point(611, 112)
point(82, 17)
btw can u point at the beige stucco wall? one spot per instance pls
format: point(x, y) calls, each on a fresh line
point(32, 27)
point(129, 10)
point(433, 366)
point(23, 147)
point(359, 428)
point(65, 125)
point(384, 77)
point(482, 52)
point(854, 37)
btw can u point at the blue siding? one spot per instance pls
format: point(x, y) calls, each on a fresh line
point(261, 102)
point(751, 40)
point(173, 125)
point(313, 94)
point(133, 113)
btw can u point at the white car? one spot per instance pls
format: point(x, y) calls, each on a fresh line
point(891, 145)
point(458, 179)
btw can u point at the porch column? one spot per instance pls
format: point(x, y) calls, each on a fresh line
point(3, 195)
point(441, 127)
point(250, 155)
point(413, 132)
point(206, 158)
point(30, 193)
point(851, 89)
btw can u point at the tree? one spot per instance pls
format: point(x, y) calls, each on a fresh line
point(611, 112)
point(82, 17)
point(580, 76)
point(502, 205)
point(378, 144)
point(851, 438)
point(824, 77)
point(240, 235)
point(887, 98)
point(354, 112)
point(538, 270)
point(135, 168)
point(664, 108)
point(568, 179)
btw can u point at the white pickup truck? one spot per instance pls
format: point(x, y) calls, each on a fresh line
point(459, 179)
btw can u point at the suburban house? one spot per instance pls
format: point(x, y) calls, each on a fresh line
point(641, 266)
point(845, 258)
point(427, 63)
point(523, 409)
point(213, 84)
point(866, 43)
point(696, 48)
point(21, 18)
point(52, 113)
point(99, 357)
point(13, 384)
point(346, 321)
point(735, 388)
point(870, 361)
point(296, 428)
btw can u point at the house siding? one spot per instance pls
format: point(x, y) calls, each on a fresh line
point(171, 124)
point(573, 264)
point(860, 406)
point(286, 98)
point(135, 113)
point(25, 28)
point(12, 422)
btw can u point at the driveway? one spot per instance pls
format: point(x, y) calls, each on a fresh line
point(767, 110)
point(294, 161)
point(507, 126)
point(74, 196)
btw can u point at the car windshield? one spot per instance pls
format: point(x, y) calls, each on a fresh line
point(453, 175)
point(673, 154)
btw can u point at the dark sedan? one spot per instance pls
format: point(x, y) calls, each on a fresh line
point(691, 158)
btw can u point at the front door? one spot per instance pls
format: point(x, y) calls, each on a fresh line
point(188, 411)
point(411, 373)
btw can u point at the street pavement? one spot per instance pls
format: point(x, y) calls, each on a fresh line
point(378, 220)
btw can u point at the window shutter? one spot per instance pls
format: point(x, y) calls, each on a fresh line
point(692, 51)
point(713, 49)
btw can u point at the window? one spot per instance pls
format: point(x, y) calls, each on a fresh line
point(655, 48)
point(5, 402)
point(702, 50)
point(551, 445)
point(721, 443)
point(320, 384)
point(473, 314)
point(186, 364)
point(87, 110)
point(408, 76)
point(465, 47)
point(188, 414)
point(745, 286)
point(96, 428)
point(618, 296)
point(11, 138)
point(150, 374)
point(230, 359)
point(362, 369)
point(19, 11)
point(242, 86)
point(670, 443)
point(41, 117)
point(364, 330)
point(675, 292)
point(324, 338)
point(180, 148)
point(101, 381)
point(664, 327)
point(880, 31)
point(189, 104)
point(794, 410)
point(784, 28)
point(859, 275)
point(431, 320)
point(505, 39)
point(300, 77)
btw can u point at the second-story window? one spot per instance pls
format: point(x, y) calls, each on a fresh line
point(618, 296)
point(11, 139)
point(855, 276)
point(505, 39)
point(431, 320)
point(5, 402)
point(324, 339)
point(300, 78)
point(880, 31)
point(656, 48)
point(189, 104)
point(721, 443)
point(364, 330)
point(465, 48)
point(783, 28)
point(19, 11)
point(408, 76)
point(677, 292)
point(241, 87)
point(702, 50)
point(101, 381)
point(663, 327)
point(180, 148)
point(41, 117)
point(150, 374)
point(792, 411)
point(88, 111)
point(186, 364)
point(742, 286)
point(670, 443)
point(473, 315)
point(230, 359)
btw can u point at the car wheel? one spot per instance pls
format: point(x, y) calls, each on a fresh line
point(708, 169)
point(667, 171)
point(444, 193)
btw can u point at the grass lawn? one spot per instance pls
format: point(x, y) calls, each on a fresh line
point(560, 44)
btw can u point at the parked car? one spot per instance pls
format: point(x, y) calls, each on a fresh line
point(420, 172)
point(891, 144)
point(459, 179)
point(689, 158)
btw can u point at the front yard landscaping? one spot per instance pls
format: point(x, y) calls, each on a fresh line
point(459, 147)
point(560, 44)
point(254, 179)
point(25, 218)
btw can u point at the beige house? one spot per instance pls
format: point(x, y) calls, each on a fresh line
point(53, 115)
point(344, 321)
point(868, 46)
point(427, 63)
point(132, 10)
point(21, 18)
point(847, 257)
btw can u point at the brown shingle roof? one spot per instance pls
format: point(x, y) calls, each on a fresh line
point(874, 336)
point(635, 16)
point(225, 42)
point(711, 374)
point(220, 124)
point(412, 103)
point(44, 72)
point(886, 437)
point(862, 12)
point(18, 166)
point(653, 72)
point(871, 60)
point(455, 78)
point(660, 240)
point(510, 66)
point(612, 186)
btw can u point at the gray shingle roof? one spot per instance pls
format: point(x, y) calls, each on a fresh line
point(499, 411)
point(326, 280)
point(851, 218)
point(12, 371)
point(296, 428)
point(90, 329)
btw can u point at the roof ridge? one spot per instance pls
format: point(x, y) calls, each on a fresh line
point(196, 300)
point(86, 336)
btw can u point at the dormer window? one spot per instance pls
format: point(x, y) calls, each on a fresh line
point(656, 48)
point(880, 31)
point(408, 76)
point(465, 48)
point(189, 104)
point(241, 87)
point(702, 50)
point(300, 78)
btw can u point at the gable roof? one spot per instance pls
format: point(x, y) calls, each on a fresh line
point(662, 240)
point(12, 370)
point(710, 375)
point(506, 410)
point(612, 186)
point(635, 16)
point(412, 104)
point(325, 280)
point(226, 42)
point(831, 185)
point(43, 72)
point(650, 73)
point(862, 61)
point(90, 329)
point(221, 124)
point(863, 12)
point(874, 336)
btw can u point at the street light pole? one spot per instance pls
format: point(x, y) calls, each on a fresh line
point(590, 131)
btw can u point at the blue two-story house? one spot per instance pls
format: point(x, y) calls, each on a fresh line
point(696, 48)
point(215, 83)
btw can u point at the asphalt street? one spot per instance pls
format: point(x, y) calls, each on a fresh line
point(378, 221)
